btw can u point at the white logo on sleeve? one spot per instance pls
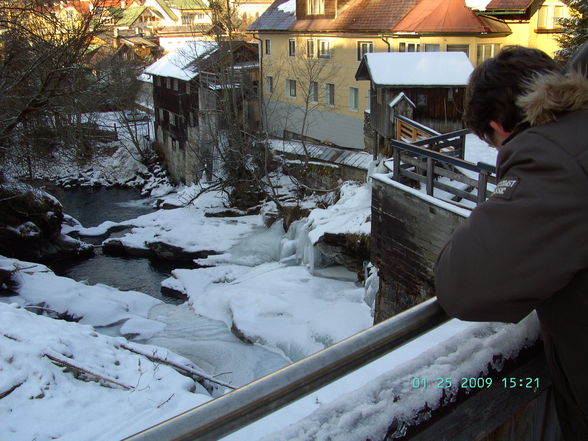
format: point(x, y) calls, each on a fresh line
point(505, 188)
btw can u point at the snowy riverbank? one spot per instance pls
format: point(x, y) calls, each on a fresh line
point(261, 281)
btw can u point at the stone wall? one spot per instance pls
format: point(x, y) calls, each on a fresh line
point(323, 175)
point(181, 161)
point(409, 230)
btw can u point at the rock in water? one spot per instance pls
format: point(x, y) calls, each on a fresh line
point(30, 225)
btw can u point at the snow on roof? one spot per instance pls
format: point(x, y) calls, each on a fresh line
point(418, 68)
point(477, 5)
point(176, 64)
point(357, 159)
point(288, 7)
point(400, 97)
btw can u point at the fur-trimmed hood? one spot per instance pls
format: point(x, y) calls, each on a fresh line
point(553, 94)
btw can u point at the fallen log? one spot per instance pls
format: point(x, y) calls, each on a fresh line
point(69, 365)
point(179, 367)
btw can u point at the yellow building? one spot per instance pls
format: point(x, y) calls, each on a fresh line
point(311, 49)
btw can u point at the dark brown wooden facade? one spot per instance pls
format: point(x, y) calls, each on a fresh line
point(439, 107)
point(189, 110)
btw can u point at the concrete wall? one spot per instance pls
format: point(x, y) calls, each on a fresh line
point(409, 229)
point(341, 130)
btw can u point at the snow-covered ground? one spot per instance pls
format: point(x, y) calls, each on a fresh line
point(261, 281)
point(65, 380)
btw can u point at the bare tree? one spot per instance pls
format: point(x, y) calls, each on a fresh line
point(44, 80)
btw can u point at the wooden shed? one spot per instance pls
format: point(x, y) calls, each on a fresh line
point(434, 82)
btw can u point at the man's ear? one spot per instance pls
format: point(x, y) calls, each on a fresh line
point(500, 129)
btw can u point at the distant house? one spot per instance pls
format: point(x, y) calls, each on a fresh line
point(433, 82)
point(136, 17)
point(326, 40)
point(182, 21)
point(188, 87)
point(181, 12)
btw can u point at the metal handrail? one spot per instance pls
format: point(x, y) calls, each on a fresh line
point(239, 408)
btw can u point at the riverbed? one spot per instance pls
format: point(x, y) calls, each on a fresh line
point(92, 206)
point(207, 342)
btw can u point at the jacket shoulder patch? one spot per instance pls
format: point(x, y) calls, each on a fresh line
point(505, 188)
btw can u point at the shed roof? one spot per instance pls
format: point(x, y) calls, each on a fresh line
point(177, 64)
point(415, 68)
point(448, 16)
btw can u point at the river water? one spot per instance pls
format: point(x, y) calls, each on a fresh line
point(91, 207)
point(207, 342)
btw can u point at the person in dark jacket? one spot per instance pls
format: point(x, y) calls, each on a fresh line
point(526, 247)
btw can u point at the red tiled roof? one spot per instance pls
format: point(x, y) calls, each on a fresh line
point(509, 5)
point(447, 16)
point(361, 15)
point(83, 7)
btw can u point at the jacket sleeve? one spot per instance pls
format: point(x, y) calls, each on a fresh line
point(525, 243)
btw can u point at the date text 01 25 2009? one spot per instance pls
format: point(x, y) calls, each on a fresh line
point(475, 382)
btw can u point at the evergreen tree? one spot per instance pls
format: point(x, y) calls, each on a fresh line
point(575, 29)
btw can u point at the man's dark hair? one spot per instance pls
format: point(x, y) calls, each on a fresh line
point(495, 85)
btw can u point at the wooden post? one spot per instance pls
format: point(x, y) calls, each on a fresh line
point(482, 183)
point(396, 165)
point(430, 172)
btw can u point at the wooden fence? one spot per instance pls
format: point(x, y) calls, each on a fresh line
point(430, 157)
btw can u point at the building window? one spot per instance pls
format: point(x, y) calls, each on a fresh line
point(353, 99)
point(324, 49)
point(175, 84)
point(168, 82)
point(188, 18)
point(549, 17)
point(330, 94)
point(409, 47)
point(432, 48)
point(364, 47)
point(421, 99)
point(310, 48)
point(291, 47)
point(316, 7)
point(291, 88)
point(486, 51)
point(465, 48)
point(269, 84)
point(313, 92)
point(268, 47)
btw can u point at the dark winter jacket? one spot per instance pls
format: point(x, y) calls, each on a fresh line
point(526, 247)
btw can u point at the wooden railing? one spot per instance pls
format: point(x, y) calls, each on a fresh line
point(410, 131)
point(427, 165)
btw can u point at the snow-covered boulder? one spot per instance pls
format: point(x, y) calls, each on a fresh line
point(30, 225)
